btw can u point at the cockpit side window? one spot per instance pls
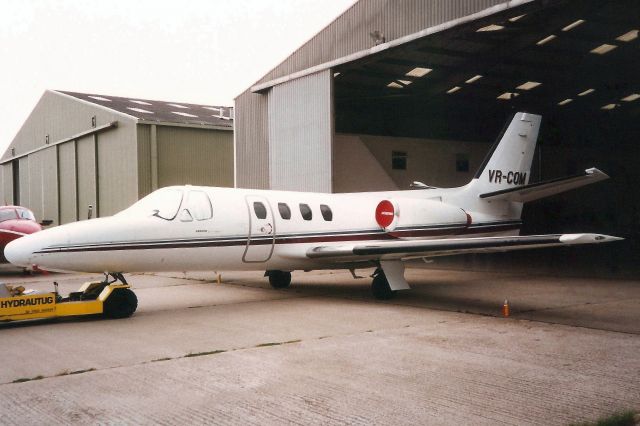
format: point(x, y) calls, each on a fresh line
point(26, 214)
point(198, 205)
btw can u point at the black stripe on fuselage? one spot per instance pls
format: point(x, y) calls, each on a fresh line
point(298, 238)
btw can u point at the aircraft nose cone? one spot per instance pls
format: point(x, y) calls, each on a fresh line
point(19, 252)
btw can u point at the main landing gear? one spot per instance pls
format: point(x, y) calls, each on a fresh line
point(279, 279)
point(380, 286)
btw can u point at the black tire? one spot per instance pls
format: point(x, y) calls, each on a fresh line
point(121, 303)
point(380, 287)
point(279, 279)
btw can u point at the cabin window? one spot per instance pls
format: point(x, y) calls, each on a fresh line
point(327, 214)
point(285, 211)
point(260, 210)
point(398, 160)
point(199, 205)
point(305, 211)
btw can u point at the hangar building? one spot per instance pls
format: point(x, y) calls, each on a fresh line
point(77, 150)
point(397, 91)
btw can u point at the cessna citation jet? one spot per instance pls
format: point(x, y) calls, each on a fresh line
point(202, 228)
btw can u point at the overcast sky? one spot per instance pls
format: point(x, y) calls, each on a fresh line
point(198, 51)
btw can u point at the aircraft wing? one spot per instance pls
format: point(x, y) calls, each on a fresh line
point(404, 250)
point(539, 190)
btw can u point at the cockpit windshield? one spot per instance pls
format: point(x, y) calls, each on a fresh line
point(7, 214)
point(163, 203)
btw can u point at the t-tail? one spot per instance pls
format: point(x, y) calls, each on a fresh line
point(506, 171)
point(508, 164)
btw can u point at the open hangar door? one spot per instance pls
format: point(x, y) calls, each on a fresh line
point(429, 110)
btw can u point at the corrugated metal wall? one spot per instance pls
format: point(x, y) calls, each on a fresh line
point(144, 160)
point(86, 161)
point(252, 141)
point(349, 33)
point(43, 185)
point(7, 184)
point(194, 156)
point(117, 169)
point(300, 134)
point(24, 180)
point(67, 167)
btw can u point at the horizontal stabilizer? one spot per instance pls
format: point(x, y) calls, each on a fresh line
point(388, 250)
point(535, 191)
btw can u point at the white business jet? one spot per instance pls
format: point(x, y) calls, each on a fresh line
point(203, 228)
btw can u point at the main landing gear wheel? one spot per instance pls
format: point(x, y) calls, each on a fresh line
point(279, 279)
point(380, 286)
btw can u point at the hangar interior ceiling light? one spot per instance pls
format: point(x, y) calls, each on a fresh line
point(335, 74)
point(100, 98)
point(453, 89)
point(184, 114)
point(573, 25)
point(529, 85)
point(586, 92)
point(603, 48)
point(395, 85)
point(609, 106)
point(566, 101)
point(627, 37)
point(508, 95)
point(140, 110)
point(418, 72)
point(492, 27)
point(632, 97)
point(405, 82)
point(139, 102)
point(546, 40)
point(178, 106)
point(516, 18)
point(473, 79)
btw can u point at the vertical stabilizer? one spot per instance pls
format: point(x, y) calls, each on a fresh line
point(508, 164)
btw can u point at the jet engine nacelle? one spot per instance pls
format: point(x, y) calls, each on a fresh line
point(406, 212)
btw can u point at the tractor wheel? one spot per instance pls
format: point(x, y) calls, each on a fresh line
point(121, 303)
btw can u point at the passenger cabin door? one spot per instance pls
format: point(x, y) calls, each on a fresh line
point(262, 231)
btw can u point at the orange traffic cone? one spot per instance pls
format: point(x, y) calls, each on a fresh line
point(505, 308)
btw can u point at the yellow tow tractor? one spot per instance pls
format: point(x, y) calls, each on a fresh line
point(111, 299)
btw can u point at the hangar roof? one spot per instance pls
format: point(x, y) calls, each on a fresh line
point(475, 63)
point(161, 111)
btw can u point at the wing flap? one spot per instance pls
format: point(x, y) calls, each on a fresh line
point(388, 250)
point(535, 191)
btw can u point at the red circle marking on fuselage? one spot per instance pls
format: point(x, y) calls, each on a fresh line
point(385, 213)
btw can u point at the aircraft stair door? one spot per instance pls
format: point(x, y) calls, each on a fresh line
point(262, 230)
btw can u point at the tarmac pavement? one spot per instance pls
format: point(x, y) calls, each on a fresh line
point(324, 351)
